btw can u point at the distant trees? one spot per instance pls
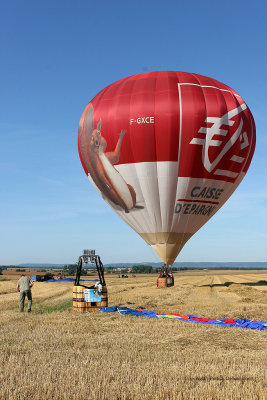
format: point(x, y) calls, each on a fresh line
point(71, 269)
point(83, 272)
point(109, 270)
point(142, 269)
point(1, 271)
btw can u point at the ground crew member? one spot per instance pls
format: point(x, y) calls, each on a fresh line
point(24, 287)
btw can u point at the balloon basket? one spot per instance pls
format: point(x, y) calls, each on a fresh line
point(165, 279)
point(87, 300)
point(165, 282)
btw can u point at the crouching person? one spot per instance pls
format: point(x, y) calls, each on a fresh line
point(24, 287)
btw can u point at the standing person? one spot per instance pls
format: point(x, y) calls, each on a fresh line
point(24, 287)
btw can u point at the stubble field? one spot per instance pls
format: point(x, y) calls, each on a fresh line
point(55, 353)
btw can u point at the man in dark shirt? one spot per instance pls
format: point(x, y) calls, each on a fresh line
point(24, 287)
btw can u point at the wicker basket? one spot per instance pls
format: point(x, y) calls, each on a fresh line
point(165, 282)
point(80, 305)
point(94, 306)
point(78, 293)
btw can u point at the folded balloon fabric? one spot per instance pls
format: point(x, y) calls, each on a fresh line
point(241, 323)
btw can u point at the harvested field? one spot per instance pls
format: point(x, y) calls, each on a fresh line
point(54, 353)
point(28, 272)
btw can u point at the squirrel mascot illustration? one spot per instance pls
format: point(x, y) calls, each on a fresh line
point(100, 164)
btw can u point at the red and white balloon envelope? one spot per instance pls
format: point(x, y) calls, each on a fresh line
point(166, 150)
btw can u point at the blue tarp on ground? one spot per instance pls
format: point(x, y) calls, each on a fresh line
point(71, 280)
point(241, 323)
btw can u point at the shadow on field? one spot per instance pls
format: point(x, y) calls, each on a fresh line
point(227, 284)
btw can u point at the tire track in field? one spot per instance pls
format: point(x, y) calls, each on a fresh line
point(56, 292)
point(223, 291)
point(195, 281)
point(244, 278)
point(129, 287)
point(7, 287)
point(207, 292)
point(6, 291)
point(201, 291)
point(247, 293)
point(39, 294)
point(245, 281)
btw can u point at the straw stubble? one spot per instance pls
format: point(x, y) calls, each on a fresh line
point(51, 354)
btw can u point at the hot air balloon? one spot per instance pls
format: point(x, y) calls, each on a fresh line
point(166, 150)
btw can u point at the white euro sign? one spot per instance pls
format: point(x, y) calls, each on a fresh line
point(215, 129)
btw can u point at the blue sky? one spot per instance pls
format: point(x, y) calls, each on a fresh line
point(55, 57)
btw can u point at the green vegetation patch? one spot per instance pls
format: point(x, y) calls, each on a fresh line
point(41, 308)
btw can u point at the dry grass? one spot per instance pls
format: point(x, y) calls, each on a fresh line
point(54, 353)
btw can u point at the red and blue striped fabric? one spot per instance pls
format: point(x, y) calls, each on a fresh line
point(240, 323)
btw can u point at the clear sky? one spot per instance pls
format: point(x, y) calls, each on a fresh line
point(55, 57)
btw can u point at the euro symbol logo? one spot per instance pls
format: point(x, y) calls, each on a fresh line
point(215, 129)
